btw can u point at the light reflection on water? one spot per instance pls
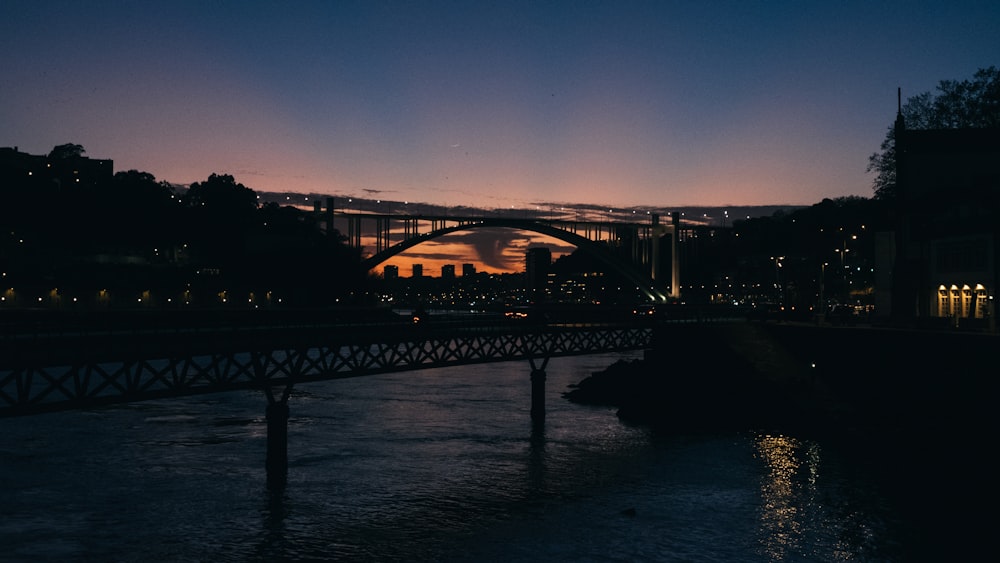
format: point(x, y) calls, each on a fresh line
point(785, 501)
point(434, 465)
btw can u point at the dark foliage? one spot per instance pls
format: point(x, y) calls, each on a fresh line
point(129, 240)
point(965, 104)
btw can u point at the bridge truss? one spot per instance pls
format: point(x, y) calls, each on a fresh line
point(85, 371)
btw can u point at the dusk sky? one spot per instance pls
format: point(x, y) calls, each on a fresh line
point(488, 104)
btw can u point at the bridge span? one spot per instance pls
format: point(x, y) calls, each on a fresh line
point(80, 368)
point(630, 248)
point(67, 371)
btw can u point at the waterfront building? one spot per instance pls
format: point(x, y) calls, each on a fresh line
point(945, 243)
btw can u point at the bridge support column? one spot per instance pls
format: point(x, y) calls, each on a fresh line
point(675, 261)
point(277, 440)
point(538, 389)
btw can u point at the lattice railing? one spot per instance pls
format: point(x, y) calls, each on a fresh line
point(34, 386)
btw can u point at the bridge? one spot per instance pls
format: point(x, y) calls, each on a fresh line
point(67, 366)
point(629, 248)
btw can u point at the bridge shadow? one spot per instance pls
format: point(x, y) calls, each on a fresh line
point(273, 535)
point(536, 457)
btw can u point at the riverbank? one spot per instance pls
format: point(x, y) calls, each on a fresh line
point(710, 377)
point(914, 407)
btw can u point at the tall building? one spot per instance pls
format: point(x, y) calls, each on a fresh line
point(418, 270)
point(536, 271)
point(390, 272)
point(448, 271)
point(468, 270)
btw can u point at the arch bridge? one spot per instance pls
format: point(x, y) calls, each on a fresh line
point(629, 248)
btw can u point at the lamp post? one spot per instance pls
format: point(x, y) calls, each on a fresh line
point(777, 277)
point(842, 251)
point(821, 309)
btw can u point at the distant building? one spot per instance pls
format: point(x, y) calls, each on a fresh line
point(537, 262)
point(21, 169)
point(390, 272)
point(448, 271)
point(945, 244)
point(468, 270)
point(418, 270)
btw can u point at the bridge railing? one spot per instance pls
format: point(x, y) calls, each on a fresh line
point(80, 370)
point(81, 367)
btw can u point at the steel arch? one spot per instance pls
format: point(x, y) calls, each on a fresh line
point(596, 249)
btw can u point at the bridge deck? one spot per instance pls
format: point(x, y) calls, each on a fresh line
point(63, 372)
point(67, 367)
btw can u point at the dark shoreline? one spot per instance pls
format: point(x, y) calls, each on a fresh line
point(911, 408)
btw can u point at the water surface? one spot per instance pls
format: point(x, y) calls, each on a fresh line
point(432, 465)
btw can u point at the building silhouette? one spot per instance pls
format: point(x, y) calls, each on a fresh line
point(537, 263)
point(944, 248)
point(18, 169)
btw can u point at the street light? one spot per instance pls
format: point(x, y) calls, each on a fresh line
point(777, 277)
point(821, 309)
point(842, 252)
point(843, 264)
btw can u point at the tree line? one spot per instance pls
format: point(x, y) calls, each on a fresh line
point(132, 236)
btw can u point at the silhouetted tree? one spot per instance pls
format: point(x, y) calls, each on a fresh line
point(221, 194)
point(957, 105)
point(68, 150)
point(141, 192)
point(291, 253)
point(220, 214)
point(141, 209)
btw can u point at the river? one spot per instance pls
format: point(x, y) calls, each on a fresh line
point(431, 465)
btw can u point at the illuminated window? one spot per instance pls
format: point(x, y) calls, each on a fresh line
point(942, 302)
point(982, 302)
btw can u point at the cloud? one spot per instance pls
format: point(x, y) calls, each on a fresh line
point(491, 246)
point(504, 249)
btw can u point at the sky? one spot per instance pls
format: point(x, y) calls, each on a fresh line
point(492, 104)
point(486, 103)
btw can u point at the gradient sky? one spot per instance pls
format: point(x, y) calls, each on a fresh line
point(488, 104)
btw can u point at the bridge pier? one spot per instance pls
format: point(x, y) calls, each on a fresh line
point(276, 463)
point(538, 389)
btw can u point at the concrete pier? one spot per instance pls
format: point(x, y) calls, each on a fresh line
point(537, 394)
point(277, 444)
